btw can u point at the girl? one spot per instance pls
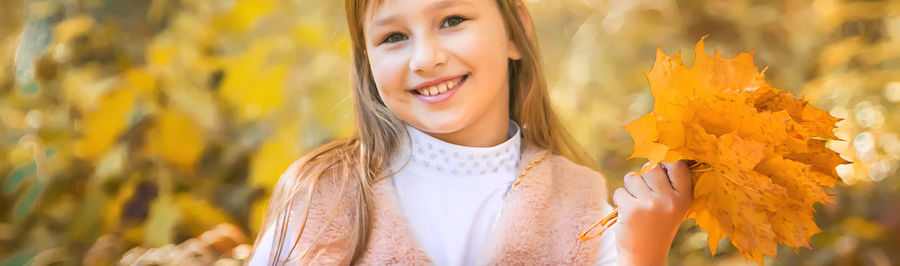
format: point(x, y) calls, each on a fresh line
point(458, 158)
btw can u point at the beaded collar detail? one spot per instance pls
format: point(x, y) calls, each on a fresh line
point(434, 154)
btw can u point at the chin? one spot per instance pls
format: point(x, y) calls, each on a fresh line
point(440, 125)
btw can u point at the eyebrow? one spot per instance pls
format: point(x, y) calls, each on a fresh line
point(435, 6)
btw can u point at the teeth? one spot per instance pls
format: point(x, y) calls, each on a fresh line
point(438, 89)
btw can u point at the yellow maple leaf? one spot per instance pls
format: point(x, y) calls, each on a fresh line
point(254, 82)
point(269, 161)
point(176, 138)
point(115, 113)
point(761, 160)
point(72, 27)
point(199, 215)
point(245, 14)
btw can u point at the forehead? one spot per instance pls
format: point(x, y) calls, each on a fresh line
point(379, 9)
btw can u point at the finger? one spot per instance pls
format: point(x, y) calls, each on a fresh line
point(636, 186)
point(679, 175)
point(621, 197)
point(622, 200)
point(658, 181)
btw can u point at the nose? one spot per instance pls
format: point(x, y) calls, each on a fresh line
point(428, 55)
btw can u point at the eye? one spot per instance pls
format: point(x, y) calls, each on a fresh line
point(452, 21)
point(394, 37)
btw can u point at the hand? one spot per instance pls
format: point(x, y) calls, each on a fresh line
point(651, 207)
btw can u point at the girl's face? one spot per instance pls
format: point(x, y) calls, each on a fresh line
point(441, 65)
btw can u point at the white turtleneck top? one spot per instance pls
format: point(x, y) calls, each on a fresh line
point(452, 194)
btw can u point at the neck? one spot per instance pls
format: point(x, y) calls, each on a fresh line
point(486, 131)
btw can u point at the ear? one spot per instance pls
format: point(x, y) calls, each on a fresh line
point(525, 19)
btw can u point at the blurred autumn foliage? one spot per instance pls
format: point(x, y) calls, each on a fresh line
point(153, 131)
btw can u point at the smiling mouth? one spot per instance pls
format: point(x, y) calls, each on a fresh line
point(441, 88)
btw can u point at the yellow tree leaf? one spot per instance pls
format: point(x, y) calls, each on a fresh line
point(102, 126)
point(258, 213)
point(162, 220)
point(270, 160)
point(198, 215)
point(275, 155)
point(176, 138)
point(254, 82)
point(761, 157)
point(644, 132)
point(244, 14)
point(72, 27)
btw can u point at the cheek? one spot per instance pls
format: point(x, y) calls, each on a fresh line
point(389, 73)
point(480, 48)
point(483, 51)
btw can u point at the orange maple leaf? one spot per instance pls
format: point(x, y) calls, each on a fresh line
point(761, 157)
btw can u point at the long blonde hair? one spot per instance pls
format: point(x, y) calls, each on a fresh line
point(365, 156)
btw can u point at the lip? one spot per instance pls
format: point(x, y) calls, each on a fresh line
point(443, 96)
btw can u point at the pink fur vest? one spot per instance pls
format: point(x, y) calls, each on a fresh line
point(538, 225)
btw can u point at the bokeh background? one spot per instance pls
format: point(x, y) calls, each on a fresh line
point(153, 131)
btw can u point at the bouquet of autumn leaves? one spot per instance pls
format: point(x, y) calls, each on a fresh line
point(758, 157)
